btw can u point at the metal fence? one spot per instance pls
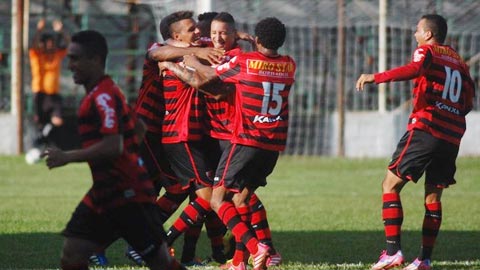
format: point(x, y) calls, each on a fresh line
point(311, 41)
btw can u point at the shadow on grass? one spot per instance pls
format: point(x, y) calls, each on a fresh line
point(42, 250)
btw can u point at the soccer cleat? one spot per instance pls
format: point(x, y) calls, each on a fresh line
point(132, 255)
point(98, 259)
point(419, 265)
point(274, 260)
point(260, 258)
point(229, 266)
point(386, 262)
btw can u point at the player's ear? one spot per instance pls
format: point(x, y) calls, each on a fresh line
point(428, 35)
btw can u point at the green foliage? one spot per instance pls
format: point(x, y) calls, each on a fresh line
point(324, 213)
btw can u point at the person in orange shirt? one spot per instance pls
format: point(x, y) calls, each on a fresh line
point(46, 55)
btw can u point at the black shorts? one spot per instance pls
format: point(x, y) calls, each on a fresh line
point(138, 224)
point(156, 162)
point(418, 152)
point(46, 106)
point(244, 166)
point(190, 164)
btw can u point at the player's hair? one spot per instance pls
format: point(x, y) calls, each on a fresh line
point(271, 33)
point(166, 23)
point(205, 21)
point(437, 25)
point(207, 16)
point(225, 17)
point(93, 44)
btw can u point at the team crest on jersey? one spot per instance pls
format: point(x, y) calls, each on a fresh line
point(418, 55)
point(102, 100)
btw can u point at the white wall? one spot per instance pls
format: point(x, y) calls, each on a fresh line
point(367, 134)
point(8, 134)
point(373, 134)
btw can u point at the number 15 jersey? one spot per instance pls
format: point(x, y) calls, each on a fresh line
point(262, 86)
point(443, 91)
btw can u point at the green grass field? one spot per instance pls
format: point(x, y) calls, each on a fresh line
point(324, 213)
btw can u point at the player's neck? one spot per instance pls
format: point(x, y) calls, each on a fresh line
point(268, 52)
point(94, 82)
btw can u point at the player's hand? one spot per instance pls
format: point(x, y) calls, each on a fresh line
point(363, 79)
point(212, 55)
point(41, 24)
point(57, 25)
point(245, 36)
point(162, 66)
point(190, 60)
point(54, 157)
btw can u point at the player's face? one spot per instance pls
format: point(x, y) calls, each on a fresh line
point(420, 33)
point(222, 35)
point(79, 64)
point(186, 31)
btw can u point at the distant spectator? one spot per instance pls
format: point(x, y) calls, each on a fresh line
point(46, 54)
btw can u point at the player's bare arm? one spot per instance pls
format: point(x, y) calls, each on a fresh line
point(363, 79)
point(195, 78)
point(111, 146)
point(168, 53)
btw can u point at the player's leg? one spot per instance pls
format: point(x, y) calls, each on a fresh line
point(439, 174)
point(85, 233)
point(215, 232)
point(141, 226)
point(262, 228)
point(411, 158)
point(227, 182)
point(189, 164)
point(76, 252)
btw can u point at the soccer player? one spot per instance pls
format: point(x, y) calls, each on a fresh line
point(182, 130)
point(262, 81)
point(121, 201)
point(442, 95)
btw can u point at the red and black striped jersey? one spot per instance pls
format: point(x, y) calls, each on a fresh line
point(443, 91)
point(117, 181)
point(221, 113)
point(262, 86)
point(184, 111)
point(150, 106)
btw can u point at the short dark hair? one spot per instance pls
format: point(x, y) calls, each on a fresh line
point(170, 19)
point(226, 18)
point(271, 33)
point(93, 44)
point(207, 16)
point(437, 25)
point(205, 21)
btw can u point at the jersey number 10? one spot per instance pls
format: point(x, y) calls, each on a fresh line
point(453, 85)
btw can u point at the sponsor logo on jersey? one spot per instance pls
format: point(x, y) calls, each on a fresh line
point(271, 69)
point(418, 55)
point(445, 107)
point(265, 119)
point(102, 100)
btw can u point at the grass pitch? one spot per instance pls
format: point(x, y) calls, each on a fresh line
point(324, 213)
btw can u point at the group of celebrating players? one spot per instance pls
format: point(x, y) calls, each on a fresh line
point(209, 123)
